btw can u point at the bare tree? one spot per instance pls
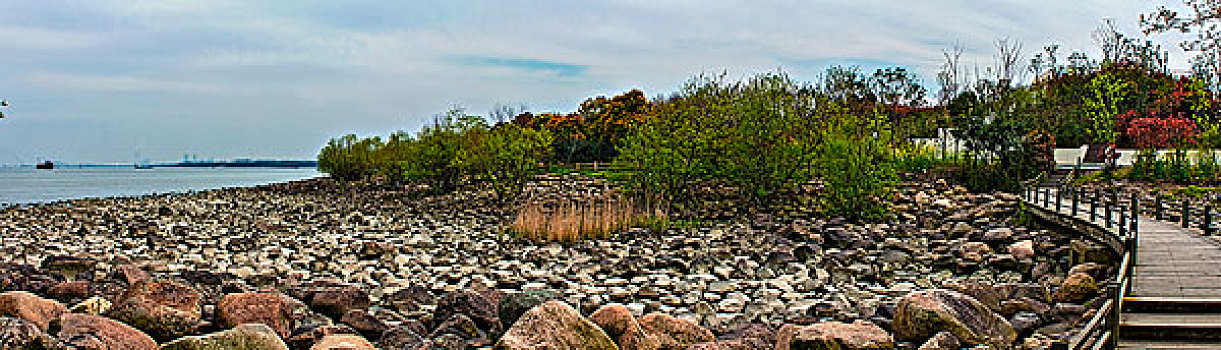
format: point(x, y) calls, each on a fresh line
point(950, 77)
point(1110, 40)
point(1009, 68)
point(1205, 22)
point(501, 112)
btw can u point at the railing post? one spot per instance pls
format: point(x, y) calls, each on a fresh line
point(1074, 194)
point(1046, 197)
point(1157, 202)
point(1135, 215)
point(1123, 221)
point(1208, 218)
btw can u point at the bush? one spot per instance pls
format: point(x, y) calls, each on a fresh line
point(858, 171)
point(349, 158)
point(507, 157)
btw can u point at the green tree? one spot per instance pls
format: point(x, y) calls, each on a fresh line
point(507, 156)
point(1104, 101)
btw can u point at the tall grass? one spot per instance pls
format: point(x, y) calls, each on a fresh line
point(594, 219)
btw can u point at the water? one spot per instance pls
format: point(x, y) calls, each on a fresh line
point(28, 185)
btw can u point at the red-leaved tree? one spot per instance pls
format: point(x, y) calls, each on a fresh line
point(1163, 132)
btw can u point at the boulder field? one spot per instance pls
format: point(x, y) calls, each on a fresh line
point(318, 265)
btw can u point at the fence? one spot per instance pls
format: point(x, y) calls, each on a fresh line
point(1115, 221)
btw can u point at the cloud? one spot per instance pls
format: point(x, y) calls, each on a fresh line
point(526, 64)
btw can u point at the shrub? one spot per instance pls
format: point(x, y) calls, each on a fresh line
point(858, 170)
point(507, 157)
point(1163, 132)
point(349, 158)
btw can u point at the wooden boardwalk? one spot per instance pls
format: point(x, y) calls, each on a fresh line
point(1175, 299)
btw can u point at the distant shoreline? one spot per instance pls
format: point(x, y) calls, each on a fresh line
point(89, 188)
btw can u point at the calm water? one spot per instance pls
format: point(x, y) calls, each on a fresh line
point(28, 185)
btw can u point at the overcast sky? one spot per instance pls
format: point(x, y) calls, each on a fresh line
point(100, 80)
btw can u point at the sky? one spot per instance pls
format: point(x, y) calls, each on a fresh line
point(101, 81)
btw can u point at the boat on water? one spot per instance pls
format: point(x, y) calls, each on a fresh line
point(143, 166)
point(45, 165)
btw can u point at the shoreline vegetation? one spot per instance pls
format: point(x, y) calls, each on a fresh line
point(756, 213)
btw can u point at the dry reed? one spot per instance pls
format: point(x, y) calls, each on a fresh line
point(575, 221)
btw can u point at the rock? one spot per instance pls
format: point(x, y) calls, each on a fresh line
point(410, 299)
point(752, 336)
point(975, 251)
point(69, 291)
point(1088, 251)
point(1022, 250)
point(619, 324)
point(554, 325)
point(996, 235)
point(97, 332)
point(343, 342)
point(307, 338)
point(363, 322)
point(16, 333)
point(674, 332)
point(271, 309)
point(68, 266)
point(252, 336)
point(130, 274)
point(1095, 270)
point(165, 309)
point(30, 307)
point(836, 335)
point(942, 341)
point(516, 304)
point(336, 301)
point(464, 328)
point(1024, 321)
point(922, 314)
point(1076, 288)
point(92, 306)
point(476, 307)
point(403, 337)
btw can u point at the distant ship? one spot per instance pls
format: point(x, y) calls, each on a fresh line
point(143, 166)
point(45, 165)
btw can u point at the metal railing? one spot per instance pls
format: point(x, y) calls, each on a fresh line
point(1120, 222)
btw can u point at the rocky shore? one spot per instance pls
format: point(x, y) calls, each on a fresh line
point(318, 265)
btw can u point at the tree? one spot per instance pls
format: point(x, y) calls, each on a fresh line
point(1103, 103)
point(507, 157)
point(1205, 22)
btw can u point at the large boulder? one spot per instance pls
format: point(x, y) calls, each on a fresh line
point(516, 304)
point(165, 309)
point(478, 308)
point(835, 335)
point(336, 301)
point(673, 332)
point(97, 332)
point(555, 325)
point(16, 333)
point(922, 314)
point(272, 309)
point(30, 307)
point(942, 341)
point(246, 337)
point(343, 342)
point(1077, 287)
point(618, 323)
